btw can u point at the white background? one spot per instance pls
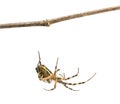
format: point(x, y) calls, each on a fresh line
point(91, 43)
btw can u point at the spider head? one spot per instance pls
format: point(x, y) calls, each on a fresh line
point(39, 72)
point(37, 69)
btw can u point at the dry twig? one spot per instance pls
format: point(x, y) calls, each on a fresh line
point(48, 22)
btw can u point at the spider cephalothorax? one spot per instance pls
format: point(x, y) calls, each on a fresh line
point(44, 74)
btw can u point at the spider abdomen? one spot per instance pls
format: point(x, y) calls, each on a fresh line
point(43, 72)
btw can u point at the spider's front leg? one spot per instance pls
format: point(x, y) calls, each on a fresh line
point(53, 77)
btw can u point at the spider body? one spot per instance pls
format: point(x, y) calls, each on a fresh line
point(44, 74)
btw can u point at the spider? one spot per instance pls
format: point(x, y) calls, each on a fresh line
point(44, 74)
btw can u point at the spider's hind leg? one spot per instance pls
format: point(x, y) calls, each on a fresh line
point(69, 88)
point(72, 76)
point(78, 82)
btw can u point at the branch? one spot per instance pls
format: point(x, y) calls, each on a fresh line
point(49, 22)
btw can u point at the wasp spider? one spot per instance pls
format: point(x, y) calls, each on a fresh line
point(44, 74)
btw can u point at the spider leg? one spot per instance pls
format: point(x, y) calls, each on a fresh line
point(56, 63)
point(69, 88)
point(53, 87)
point(39, 58)
point(46, 78)
point(53, 76)
point(79, 82)
point(62, 76)
point(72, 76)
point(56, 70)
